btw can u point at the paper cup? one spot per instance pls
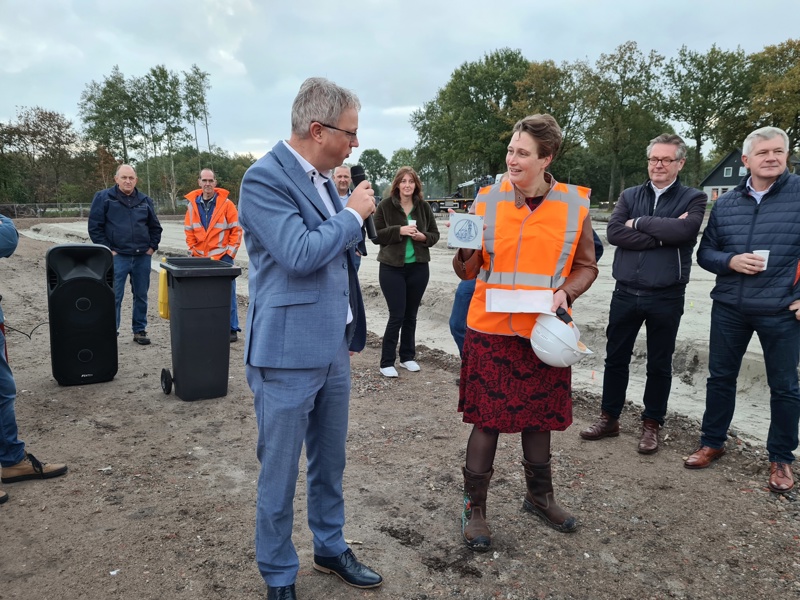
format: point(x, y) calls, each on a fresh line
point(765, 255)
point(413, 222)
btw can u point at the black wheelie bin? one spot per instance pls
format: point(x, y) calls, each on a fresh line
point(199, 291)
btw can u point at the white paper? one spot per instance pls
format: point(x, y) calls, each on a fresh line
point(519, 301)
point(465, 231)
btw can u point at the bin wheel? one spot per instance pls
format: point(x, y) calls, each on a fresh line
point(166, 381)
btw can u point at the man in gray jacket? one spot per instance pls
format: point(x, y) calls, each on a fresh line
point(654, 227)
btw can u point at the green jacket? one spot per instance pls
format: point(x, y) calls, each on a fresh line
point(389, 217)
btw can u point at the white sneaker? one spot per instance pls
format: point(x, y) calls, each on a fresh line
point(388, 371)
point(410, 365)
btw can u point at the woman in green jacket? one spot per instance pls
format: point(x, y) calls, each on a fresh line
point(406, 229)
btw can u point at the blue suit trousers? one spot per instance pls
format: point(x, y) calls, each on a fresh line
point(296, 406)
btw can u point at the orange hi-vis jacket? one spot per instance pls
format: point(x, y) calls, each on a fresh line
point(223, 236)
point(524, 249)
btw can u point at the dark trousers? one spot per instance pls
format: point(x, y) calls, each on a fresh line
point(661, 315)
point(779, 335)
point(403, 288)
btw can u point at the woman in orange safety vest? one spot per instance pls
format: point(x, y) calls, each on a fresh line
point(537, 236)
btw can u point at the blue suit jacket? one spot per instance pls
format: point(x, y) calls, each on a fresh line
point(301, 271)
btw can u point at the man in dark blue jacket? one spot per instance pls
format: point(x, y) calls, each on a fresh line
point(754, 294)
point(654, 227)
point(125, 220)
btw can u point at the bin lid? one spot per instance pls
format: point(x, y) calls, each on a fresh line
point(196, 266)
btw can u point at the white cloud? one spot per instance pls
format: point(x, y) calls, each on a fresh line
point(394, 54)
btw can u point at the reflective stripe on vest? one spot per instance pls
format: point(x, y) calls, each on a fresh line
point(524, 249)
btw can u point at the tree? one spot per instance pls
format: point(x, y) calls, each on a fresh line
point(46, 140)
point(705, 89)
point(165, 113)
point(775, 96)
point(559, 91)
point(375, 165)
point(466, 128)
point(195, 94)
point(109, 113)
point(402, 157)
point(622, 90)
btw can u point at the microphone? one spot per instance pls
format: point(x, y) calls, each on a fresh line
point(357, 174)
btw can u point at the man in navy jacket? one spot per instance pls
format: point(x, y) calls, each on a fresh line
point(654, 227)
point(754, 294)
point(125, 220)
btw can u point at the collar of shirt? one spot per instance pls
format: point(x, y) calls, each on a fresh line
point(318, 179)
point(755, 194)
point(310, 169)
point(660, 191)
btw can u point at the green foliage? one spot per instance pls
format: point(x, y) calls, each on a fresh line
point(375, 165)
point(706, 90)
point(775, 97)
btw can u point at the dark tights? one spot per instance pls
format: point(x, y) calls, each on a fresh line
point(482, 446)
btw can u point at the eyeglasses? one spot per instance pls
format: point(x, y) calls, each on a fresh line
point(664, 161)
point(351, 134)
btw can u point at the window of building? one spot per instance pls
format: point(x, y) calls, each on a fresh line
point(742, 171)
point(725, 190)
point(728, 172)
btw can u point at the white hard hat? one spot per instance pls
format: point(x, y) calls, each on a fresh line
point(556, 340)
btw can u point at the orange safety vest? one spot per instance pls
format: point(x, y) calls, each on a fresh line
point(524, 249)
point(223, 235)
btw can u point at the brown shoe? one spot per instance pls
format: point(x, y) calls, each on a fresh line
point(648, 443)
point(605, 426)
point(3, 497)
point(703, 457)
point(780, 477)
point(31, 468)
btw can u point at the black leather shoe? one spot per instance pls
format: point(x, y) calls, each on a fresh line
point(349, 570)
point(285, 592)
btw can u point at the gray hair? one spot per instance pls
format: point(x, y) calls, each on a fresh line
point(322, 101)
point(765, 133)
point(669, 138)
point(116, 173)
point(347, 168)
point(200, 174)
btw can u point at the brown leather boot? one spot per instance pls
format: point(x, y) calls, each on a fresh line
point(605, 426)
point(540, 499)
point(474, 529)
point(648, 442)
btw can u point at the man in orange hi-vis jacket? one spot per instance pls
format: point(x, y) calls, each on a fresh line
point(212, 229)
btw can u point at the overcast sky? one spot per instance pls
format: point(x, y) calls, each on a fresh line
point(394, 54)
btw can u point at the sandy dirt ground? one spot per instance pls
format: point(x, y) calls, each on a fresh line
point(159, 501)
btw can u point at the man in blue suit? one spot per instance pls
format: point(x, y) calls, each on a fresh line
point(305, 318)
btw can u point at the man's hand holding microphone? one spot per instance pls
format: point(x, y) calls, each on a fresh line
point(362, 199)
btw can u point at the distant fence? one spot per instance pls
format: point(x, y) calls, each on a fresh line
point(53, 211)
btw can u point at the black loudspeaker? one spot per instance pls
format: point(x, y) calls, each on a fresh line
point(82, 313)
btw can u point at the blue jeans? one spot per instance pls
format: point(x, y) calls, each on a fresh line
point(660, 313)
point(779, 335)
point(234, 311)
point(458, 314)
point(138, 267)
point(12, 449)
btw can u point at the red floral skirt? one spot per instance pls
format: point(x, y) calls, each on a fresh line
point(505, 388)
